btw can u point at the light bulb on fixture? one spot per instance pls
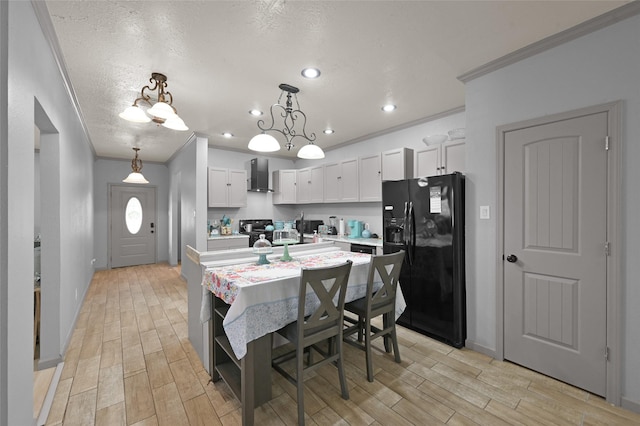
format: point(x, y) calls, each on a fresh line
point(311, 152)
point(264, 143)
point(291, 117)
point(135, 176)
point(162, 111)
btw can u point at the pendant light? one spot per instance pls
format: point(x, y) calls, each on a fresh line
point(292, 127)
point(135, 176)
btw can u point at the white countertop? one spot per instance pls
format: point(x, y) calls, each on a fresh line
point(227, 237)
point(376, 242)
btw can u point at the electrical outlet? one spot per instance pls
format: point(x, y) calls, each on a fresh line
point(93, 261)
point(484, 212)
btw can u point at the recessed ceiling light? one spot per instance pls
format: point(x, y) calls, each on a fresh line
point(311, 73)
point(328, 131)
point(255, 112)
point(227, 135)
point(388, 108)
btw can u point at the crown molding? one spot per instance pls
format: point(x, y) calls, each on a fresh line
point(42, 13)
point(613, 16)
point(399, 127)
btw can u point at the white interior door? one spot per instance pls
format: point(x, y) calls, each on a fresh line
point(133, 225)
point(555, 268)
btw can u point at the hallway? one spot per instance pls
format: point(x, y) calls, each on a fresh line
point(130, 363)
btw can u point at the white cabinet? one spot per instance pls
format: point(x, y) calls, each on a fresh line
point(214, 244)
point(284, 186)
point(441, 159)
point(370, 178)
point(310, 185)
point(397, 164)
point(341, 181)
point(227, 188)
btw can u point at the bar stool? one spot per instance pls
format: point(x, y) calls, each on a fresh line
point(380, 302)
point(322, 324)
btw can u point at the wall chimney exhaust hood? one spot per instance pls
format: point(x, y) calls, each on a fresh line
point(258, 171)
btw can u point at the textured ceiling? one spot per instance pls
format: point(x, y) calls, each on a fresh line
point(223, 58)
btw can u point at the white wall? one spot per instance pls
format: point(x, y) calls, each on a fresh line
point(108, 171)
point(259, 204)
point(33, 74)
point(4, 206)
point(601, 67)
point(188, 202)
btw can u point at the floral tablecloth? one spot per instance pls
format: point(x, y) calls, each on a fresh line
point(264, 298)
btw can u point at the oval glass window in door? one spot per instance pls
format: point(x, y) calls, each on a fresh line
point(133, 215)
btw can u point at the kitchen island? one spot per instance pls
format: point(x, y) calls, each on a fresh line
point(344, 242)
point(238, 344)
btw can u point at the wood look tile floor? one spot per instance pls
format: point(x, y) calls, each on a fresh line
point(130, 362)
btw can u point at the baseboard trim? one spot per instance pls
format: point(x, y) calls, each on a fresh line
point(479, 348)
point(48, 400)
point(43, 364)
point(630, 405)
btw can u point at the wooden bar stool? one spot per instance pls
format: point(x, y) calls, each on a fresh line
point(381, 302)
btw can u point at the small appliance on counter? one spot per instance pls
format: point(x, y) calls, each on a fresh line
point(366, 233)
point(355, 228)
point(333, 223)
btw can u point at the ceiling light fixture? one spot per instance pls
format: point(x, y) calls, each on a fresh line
point(255, 112)
point(162, 112)
point(388, 108)
point(227, 135)
point(136, 165)
point(267, 143)
point(328, 131)
point(310, 73)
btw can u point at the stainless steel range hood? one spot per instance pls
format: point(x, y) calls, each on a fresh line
point(258, 172)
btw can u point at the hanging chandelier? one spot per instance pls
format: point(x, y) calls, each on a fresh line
point(264, 142)
point(136, 165)
point(161, 112)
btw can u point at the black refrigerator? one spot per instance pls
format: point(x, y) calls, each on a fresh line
point(425, 217)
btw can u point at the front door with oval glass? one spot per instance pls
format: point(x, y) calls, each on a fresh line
point(133, 225)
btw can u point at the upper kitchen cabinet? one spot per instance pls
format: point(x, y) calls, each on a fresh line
point(284, 186)
point(227, 187)
point(397, 164)
point(310, 185)
point(370, 177)
point(442, 159)
point(341, 182)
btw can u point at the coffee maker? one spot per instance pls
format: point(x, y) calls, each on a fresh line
point(332, 225)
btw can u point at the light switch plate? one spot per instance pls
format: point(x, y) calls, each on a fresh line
point(484, 212)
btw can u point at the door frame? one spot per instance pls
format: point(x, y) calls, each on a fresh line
point(614, 294)
point(109, 213)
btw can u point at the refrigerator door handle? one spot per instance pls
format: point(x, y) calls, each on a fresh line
point(412, 233)
point(406, 233)
point(405, 225)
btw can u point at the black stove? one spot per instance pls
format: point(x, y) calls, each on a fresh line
point(257, 227)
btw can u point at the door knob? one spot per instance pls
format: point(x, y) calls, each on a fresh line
point(512, 258)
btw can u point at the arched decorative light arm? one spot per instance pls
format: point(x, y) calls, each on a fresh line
point(161, 111)
point(290, 118)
